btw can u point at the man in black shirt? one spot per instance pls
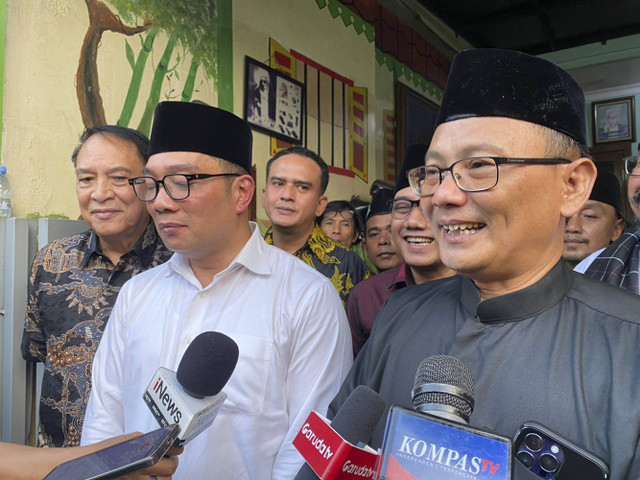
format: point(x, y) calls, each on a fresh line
point(507, 165)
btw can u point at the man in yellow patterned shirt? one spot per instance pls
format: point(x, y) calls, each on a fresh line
point(293, 197)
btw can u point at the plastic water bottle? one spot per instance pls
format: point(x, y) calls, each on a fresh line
point(5, 193)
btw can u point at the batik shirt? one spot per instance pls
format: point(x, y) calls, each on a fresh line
point(340, 265)
point(72, 289)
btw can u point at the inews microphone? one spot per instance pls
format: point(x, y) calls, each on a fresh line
point(191, 397)
point(354, 421)
point(433, 441)
point(443, 387)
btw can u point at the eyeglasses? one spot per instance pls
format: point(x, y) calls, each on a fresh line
point(177, 185)
point(631, 165)
point(470, 174)
point(402, 207)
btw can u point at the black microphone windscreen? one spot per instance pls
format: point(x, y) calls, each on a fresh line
point(207, 364)
point(359, 415)
point(448, 371)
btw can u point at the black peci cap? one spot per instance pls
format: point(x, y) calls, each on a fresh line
point(413, 158)
point(490, 82)
point(606, 189)
point(379, 203)
point(195, 127)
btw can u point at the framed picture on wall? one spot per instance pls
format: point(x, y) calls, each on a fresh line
point(614, 120)
point(273, 102)
point(415, 117)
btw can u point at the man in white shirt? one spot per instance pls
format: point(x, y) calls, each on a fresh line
point(286, 318)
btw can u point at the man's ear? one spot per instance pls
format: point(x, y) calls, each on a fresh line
point(244, 188)
point(322, 204)
point(618, 228)
point(579, 177)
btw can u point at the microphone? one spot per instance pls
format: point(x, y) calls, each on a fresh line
point(443, 387)
point(354, 422)
point(192, 397)
point(433, 441)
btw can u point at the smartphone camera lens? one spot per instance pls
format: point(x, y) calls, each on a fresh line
point(548, 463)
point(533, 441)
point(525, 458)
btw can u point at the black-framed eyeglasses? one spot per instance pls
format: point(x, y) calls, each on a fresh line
point(401, 207)
point(473, 174)
point(177, 185)
point(631, 166)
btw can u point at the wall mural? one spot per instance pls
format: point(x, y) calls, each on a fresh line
point(189, 25)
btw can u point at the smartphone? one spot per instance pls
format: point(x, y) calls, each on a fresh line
point(120, 459)
point(550, 456)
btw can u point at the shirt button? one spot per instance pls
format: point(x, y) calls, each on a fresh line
point(203, 294)
point(188, 340)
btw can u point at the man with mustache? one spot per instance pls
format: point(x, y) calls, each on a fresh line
point(292, 199)
point(619, 263)
point(598, 223)
point(508, 164)
point(378, 242)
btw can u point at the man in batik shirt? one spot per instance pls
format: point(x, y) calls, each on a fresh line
point(293, 197)
point(75, 280)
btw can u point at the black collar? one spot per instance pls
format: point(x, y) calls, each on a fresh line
point(525, 303)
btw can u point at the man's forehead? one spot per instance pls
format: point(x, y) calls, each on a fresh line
point(379, 221)
point(181, 161)
point(596, 205)
point(294, 167)
point(494, 136)
point(406, 194)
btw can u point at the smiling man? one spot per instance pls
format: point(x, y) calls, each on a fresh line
point(292, 199)
point(598, 223)
point(75, 280)
point(416, 245)
point(287, 319)
point(507, 165)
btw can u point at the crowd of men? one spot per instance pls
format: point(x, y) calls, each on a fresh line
point(472, 249)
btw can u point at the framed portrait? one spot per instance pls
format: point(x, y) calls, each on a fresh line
point(273, 102)
point(415, 116)
point(614, 120)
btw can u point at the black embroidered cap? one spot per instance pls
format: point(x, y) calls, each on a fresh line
point(379, 203)
point(489, 82)
point(196, 127)
point(413, 158)
point(606, 189)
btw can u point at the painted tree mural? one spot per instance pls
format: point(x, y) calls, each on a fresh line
point(190, 26)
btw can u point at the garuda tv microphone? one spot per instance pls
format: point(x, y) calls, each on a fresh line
point(354, 422)
point(433, 441)
point(191, 397)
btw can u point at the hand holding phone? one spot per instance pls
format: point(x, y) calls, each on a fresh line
point(119, 459)
point(550, 456)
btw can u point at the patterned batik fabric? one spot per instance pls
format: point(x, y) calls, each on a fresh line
point(72, 289)
point(340, 265)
